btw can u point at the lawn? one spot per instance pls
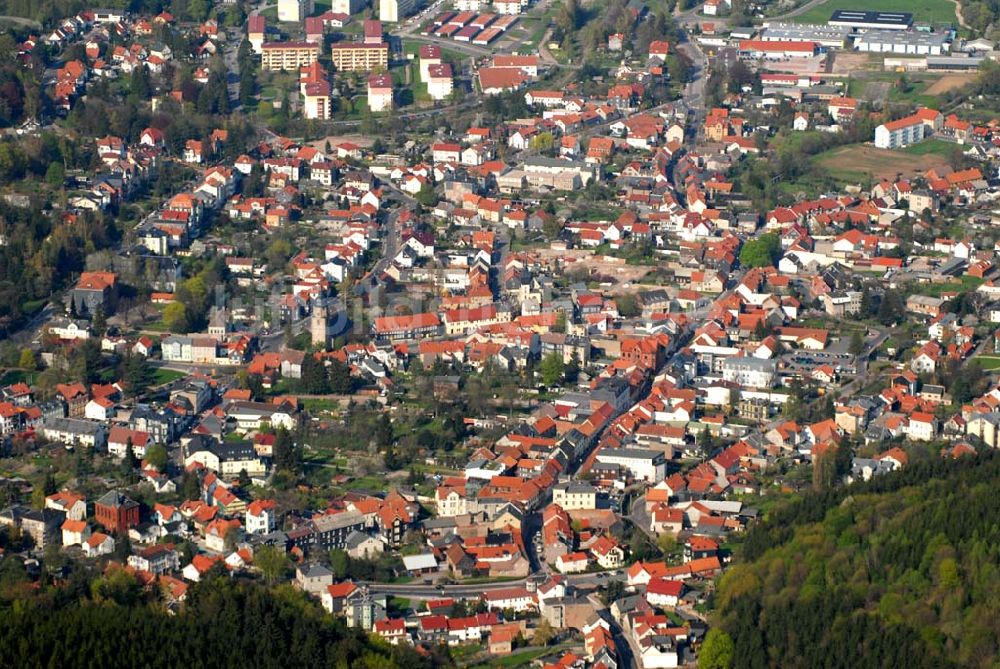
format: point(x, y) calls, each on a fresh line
point(988, 362)
point(316, 404)
point(162, 376)
point(399, 604)
point(964, 284)
point(937, 147)
point(919, 89)
point(447, 55)
point(924, 11)
point(516, 659)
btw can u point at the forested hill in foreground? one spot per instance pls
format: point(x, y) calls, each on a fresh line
point(223, 624)
point(898, 572)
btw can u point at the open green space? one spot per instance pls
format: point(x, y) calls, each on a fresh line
point(988, 362)
point(12, 376)
point(162, 376)
point(924, 11)
point(855, 163)
point(523, 659)
point(937, 147)
point(964, 284)
point(319, 404)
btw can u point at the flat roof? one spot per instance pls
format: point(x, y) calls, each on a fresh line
point(419, 562)
point(902, 37)
point(868, 17)
point(805, 32)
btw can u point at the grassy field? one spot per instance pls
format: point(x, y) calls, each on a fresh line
point(964, 284)
point(924, 11)
point(931, 147)
point(918, 89)
point(860, 162)
point(987, 361)
point(522, 659)
point(162, 376)
point(316, 404)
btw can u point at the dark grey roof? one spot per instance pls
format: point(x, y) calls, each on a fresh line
point(115, 498)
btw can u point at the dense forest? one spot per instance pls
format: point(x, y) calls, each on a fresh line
point(111, 624)
point(900, 571)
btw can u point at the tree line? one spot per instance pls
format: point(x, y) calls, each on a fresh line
point(110, 622)
point(898, 571)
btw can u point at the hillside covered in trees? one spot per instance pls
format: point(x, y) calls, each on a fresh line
point(111, 624)
point(899, 571)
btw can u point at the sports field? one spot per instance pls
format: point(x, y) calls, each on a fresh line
point(924, 11)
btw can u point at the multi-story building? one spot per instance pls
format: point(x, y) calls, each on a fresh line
point(347, 6)
point(327, 532)
point(262, 516)
point(900, 133)
point(439, 82)
point(277, 56)
point(359, 57)
point(644, 464)
point(228, 458)
point(294, 10)
point(158, 559)
point(256, 30)
point(116, 512)
point(574, 495)
point(430, 54)
point(380, 92)
point(75, 432)
point(43, 525)
point(316, 100)
point(396, 10)
point(751, 372)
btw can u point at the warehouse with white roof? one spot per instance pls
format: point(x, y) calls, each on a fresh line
point(904, 42)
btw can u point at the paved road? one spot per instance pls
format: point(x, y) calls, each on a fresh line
point(694, 15)
point(589, 581)
point(640, 517)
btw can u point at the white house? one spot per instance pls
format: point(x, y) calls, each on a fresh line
point(72, 504)
point(607, 553)
point(516, 599)
point(922, 427)
point(75, 532)
point(572, 563)
point(98, 544)
point(261, 516)
point(664, 592)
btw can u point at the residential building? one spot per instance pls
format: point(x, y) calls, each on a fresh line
point(573, 495)
point(294, 11)
point(439, 81)
point(750, 372)
point(900, 133)
point(359, 57)
point(278, 56)
point(394, 11)
point(380, 92)
point(645, 465)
